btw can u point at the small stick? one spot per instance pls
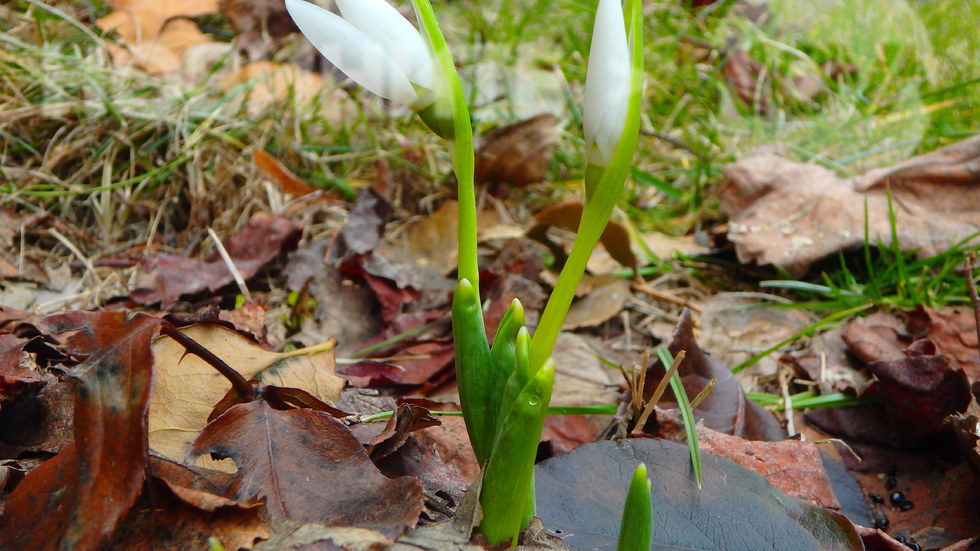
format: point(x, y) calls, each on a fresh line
point(239, 280)
point(71, 247)
point(238, 382)
point(659, 390)
point(971, 262)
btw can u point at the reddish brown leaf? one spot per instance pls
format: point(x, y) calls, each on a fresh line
point(407, 418)
point(166, 277)
point(917, 393)
point(76, 500)
point(954, 332)
point(308, 468)
point(14, 377)
point(792, 466)
point(168, 523)
point(944, 495)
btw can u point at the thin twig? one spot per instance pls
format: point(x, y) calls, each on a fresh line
point(241, 386)
point(239, 280)
point(643, 287)
point(971, 262)
point(661, 388)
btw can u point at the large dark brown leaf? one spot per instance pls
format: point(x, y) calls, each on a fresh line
point(582, 493)
point(77, 499)
point(309, 468)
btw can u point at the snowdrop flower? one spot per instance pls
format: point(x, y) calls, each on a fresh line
point(375, 46)
point(607, 84)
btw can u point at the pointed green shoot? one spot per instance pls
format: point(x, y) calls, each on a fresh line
point(473, 367)
point(503, 356)
point(636, 530)
point(508, 477)
point(687, 414)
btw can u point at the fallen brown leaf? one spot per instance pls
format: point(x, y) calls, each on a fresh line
point(566, 215)
point(792, 466)
point(726, 409)
point(792, 214)
point(309, 468)
point(517, 154)
point(186, 388)
point(167, 277)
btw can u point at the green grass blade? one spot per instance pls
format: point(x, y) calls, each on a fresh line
point(687, 414)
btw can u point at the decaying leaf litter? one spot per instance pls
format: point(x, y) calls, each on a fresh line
point(343, 314)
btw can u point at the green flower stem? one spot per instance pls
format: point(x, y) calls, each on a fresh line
point(636, 530)
point(503, 359)
point(459, 141)
point(604, 187)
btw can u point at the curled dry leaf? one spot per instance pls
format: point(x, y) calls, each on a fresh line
point(78, 498)
point(309, 468)
point(726, 409)
point(792, 214)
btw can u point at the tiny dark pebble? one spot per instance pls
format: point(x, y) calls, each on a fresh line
point(875, 498)
point(896, 498)
point(891, 483)
point(906, 506)
point(900, 539)
point(915, 546)
point(881, 523)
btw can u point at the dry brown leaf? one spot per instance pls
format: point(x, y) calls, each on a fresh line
point(517, 154)
point(431, 242)
point(186, 388)
point(566, 215)
point(580, 376)
point(792, 214)
point(270, 82)
point(289, 182)
point(151, 37)
point(605, 301)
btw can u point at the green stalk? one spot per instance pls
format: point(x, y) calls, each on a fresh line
point(603, 189)
point(473, 366)
point(460, 142)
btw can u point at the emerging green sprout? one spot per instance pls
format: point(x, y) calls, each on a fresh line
point(504, 390)
point(636, 530)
